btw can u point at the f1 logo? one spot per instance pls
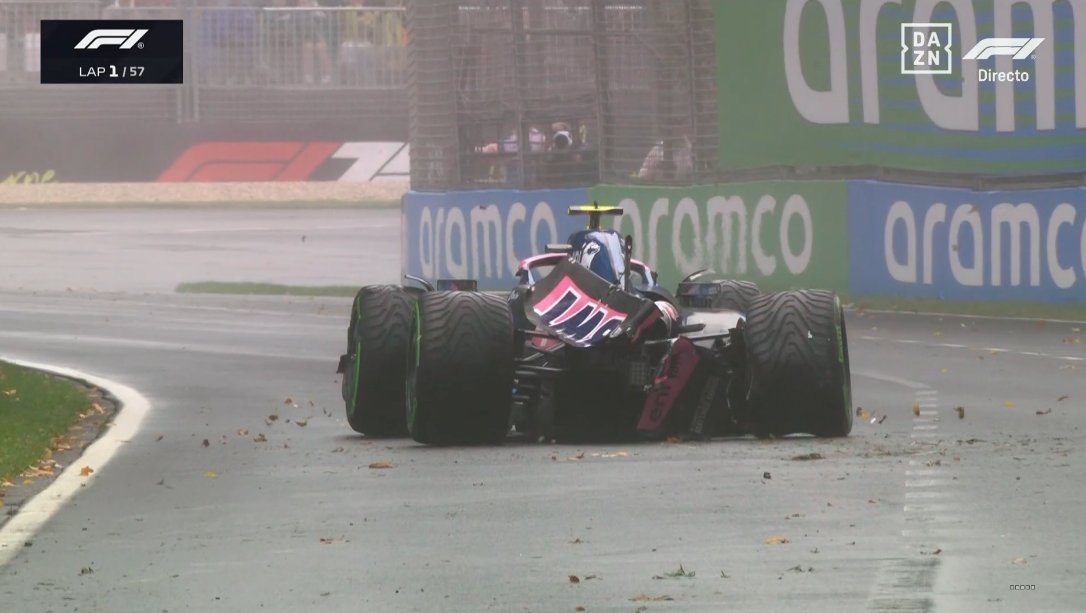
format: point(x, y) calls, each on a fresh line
point(248, 161)
point(123, 38)
point(926, 48)
point(1020, 48)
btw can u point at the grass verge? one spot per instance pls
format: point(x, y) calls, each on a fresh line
point(220, 204)
point(266, 289)
point(35, 408)
point(1031, 310)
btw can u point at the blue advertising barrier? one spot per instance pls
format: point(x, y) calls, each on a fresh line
point(958, 244)
point(483, 234)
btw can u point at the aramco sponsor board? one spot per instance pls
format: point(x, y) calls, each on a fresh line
point(865, 238)
point(483, 234)
point(779, 233)
point(959, 244)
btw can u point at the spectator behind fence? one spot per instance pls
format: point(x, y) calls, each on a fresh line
point(228, 37)
point(569, 161)
point(313, 29)
point(510, 144)
point(370, 38)
point(560, 154)
point(536, 138)
point(356, 60)
point(681, 168)
point(281, 57)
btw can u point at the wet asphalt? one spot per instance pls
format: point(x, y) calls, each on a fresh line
point(923, 508)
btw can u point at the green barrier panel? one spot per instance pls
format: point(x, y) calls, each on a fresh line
point(780, 234)
point(826, 83)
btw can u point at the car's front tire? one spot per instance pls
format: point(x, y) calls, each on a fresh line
point(736, 295)
point(797, 364)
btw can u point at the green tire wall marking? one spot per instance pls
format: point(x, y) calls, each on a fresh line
point(418, 334)
point(357, 376)
point(842, 340)
point(357, 355)
point(409, 382)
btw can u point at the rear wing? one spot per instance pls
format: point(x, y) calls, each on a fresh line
point(595, 212)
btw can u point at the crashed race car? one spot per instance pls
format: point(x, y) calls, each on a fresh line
point(589, 347)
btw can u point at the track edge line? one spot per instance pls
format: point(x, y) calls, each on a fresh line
point(40, 509)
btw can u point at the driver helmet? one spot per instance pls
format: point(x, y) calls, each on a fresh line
point(601, 252)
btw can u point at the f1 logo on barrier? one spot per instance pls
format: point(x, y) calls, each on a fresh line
point(249, 161)
point(1020, 48)
point(290, 161)
point(125, 39)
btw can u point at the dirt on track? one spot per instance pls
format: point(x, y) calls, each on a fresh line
point(195, 193)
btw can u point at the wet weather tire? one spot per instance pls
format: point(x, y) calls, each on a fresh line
point(798, 368)
point(373, 381)
point(736, 295)
point(460, 369)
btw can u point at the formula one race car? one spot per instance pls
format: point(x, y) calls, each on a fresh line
point(588, 346)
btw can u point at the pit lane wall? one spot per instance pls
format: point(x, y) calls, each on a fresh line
point(861, 238)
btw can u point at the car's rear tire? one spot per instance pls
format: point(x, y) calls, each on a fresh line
point(373, 377)
point(460, 369)
point(736, 295)
point(797, 364)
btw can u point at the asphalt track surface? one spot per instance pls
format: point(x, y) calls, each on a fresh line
point(920, 511)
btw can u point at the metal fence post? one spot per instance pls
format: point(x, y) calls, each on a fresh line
point(520, 64)
point(691, 111)
point(197, 69)
point(191, 65)
point(432, 103)
point(662, 94)
point(603, 85)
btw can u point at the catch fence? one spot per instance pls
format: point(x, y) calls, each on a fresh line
point(600, 90)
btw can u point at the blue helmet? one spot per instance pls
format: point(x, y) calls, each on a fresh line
point(601, 252)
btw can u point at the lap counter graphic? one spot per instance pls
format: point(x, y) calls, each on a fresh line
point(112, 51)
